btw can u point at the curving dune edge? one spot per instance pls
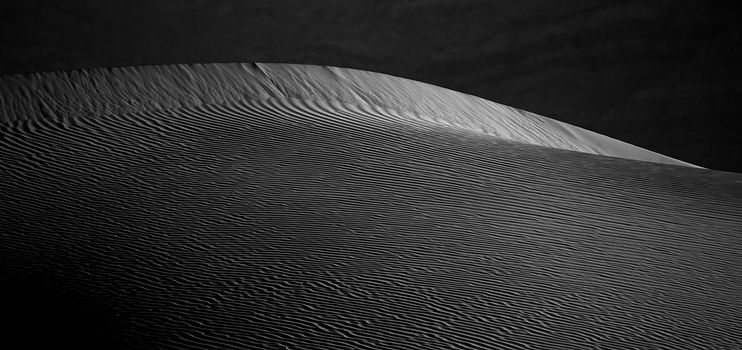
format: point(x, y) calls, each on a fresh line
point(245, 206)
point(63, 96)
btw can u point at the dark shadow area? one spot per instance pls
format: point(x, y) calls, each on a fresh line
point(40, 312)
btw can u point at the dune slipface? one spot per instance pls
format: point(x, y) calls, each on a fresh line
point(251, 206)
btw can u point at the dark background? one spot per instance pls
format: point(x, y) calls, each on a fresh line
point(664, 75)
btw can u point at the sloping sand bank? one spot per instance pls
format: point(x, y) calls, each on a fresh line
point(196, 208)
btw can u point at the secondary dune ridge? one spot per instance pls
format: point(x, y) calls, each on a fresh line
point(180, 209)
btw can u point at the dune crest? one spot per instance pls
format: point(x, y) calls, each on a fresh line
point(60, 97)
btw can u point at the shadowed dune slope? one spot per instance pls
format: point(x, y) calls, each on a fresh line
point(181, 209)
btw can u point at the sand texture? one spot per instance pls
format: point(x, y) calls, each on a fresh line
point(262, 206)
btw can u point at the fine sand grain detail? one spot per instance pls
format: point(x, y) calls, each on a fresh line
point(293, 207)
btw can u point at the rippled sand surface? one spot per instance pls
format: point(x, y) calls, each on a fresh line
point(253, 206)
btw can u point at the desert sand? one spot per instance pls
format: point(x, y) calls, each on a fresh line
point(271, 206)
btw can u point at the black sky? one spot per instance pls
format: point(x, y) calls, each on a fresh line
point(664, 75)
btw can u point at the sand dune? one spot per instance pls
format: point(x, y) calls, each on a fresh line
point(66, 96)
point(279, 206)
